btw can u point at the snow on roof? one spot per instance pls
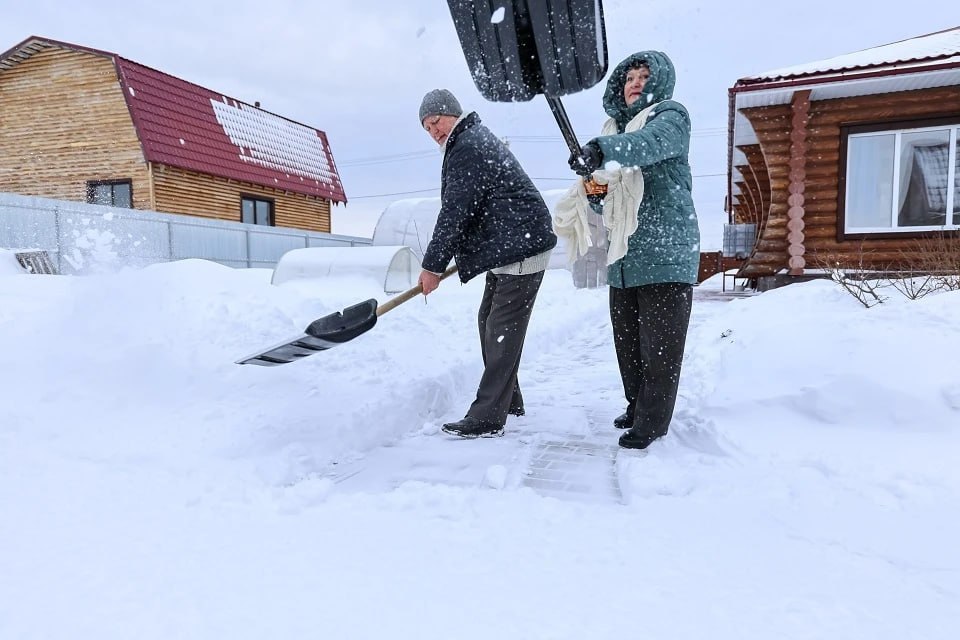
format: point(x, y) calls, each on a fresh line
point(273, 142)
point(184, 125)
point(933, 48)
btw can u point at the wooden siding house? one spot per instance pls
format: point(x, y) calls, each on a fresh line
point(851, 161)
point(87, 125)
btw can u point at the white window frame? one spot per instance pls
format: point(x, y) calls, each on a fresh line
point(952, 208)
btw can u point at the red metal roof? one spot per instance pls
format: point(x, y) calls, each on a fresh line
point(184, 125)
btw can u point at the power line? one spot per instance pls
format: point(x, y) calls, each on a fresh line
point(696, 175)
point(697, 133)
point(397, 157)
point(432, 153)
point(570, 179)
point(396, 193)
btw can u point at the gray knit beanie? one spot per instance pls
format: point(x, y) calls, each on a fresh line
point(439, 102)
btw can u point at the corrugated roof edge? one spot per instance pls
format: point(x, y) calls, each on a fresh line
point(827, 75)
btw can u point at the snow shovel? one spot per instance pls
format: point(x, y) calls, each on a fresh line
point(334, 329)
point(517, 49)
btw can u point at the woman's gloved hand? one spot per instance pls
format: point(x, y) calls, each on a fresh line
point(588, 160)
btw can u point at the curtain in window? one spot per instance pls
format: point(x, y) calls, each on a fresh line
point(956, 180)
point(869, 197)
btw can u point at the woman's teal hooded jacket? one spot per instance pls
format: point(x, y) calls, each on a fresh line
point(666, 244)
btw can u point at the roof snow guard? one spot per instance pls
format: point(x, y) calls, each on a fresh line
point(924, 62)
point(932, 50)
point(184, 125)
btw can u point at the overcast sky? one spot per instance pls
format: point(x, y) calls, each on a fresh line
point(357, 69)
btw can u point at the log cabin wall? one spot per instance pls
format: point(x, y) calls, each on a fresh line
point(189, 193)
point(774, 126)
point(755, 174)
point(751, 188)
point(747, 197)
point(63, 122)
point(800, 107)
point(741, 209)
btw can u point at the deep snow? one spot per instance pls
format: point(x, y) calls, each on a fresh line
point(151, 488)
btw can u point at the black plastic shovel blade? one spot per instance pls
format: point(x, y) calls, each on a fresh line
point(516, 49)
point(322, 334)
point(571, 44)
point(345, 325)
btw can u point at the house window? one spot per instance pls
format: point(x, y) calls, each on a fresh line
point(256, 211)
point(902, 179)
point(113, 193)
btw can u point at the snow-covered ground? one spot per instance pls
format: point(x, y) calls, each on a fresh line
point(150, 488)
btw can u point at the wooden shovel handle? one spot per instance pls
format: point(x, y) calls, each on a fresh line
point(396, 301)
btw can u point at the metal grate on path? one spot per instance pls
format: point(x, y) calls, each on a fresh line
point(574, 469)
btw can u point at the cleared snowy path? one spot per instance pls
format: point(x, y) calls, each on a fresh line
point(566, 445)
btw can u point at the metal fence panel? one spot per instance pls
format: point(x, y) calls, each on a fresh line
point(264, 247)
point(27, 226)
point(333, 241)
point(85, 237)
point(212, 242)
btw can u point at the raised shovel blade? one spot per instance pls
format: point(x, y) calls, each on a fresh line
point(516, 49)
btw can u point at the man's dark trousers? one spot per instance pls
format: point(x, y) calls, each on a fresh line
point(502, 320)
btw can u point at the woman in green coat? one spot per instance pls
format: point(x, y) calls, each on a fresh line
point(646, 144)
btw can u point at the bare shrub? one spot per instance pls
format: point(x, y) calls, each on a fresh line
point(859, 281)
point(914, 286)
point(938, 258)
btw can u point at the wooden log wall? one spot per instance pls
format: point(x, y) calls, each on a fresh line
point(747, 195)
point(63, 122)
point(756, 170)
point(800, 105)
point(821, 177)
point(185, 192)
point(772, 128)
point(740, 211)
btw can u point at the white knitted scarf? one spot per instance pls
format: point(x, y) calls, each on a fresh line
point(624, 193)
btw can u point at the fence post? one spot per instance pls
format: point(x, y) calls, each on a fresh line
point(169, 241)
point(56, 230)
point(246, 233)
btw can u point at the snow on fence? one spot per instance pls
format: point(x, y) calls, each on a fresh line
point(83, 238)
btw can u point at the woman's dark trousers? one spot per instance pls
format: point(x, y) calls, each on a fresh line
point(649, 331)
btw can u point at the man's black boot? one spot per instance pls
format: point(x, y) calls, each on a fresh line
point(471, 427)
